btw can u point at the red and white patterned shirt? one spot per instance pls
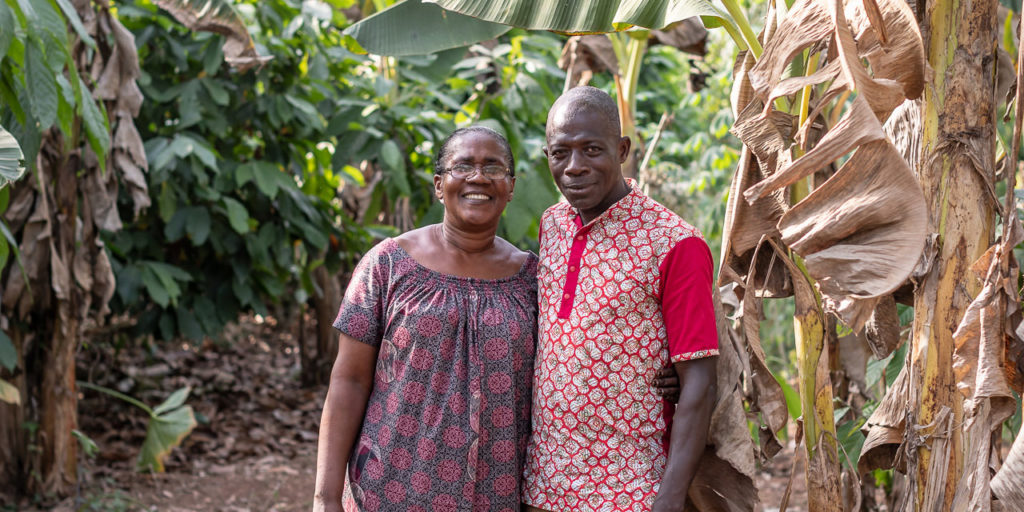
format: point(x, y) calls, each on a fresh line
point(619, 298)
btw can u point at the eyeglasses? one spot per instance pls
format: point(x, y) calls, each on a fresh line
point(489, 171)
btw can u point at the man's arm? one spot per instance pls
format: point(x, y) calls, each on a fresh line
point(689, 431)
point(344, 408)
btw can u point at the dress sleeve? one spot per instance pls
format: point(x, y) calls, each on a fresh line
point(686, 303)
point(361, 314)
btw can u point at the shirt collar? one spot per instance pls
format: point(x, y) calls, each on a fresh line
point(620, 209)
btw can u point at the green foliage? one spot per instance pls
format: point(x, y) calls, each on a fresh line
point(11, 163)
point(246, 169)
point(424, 28)
point(39, 85)
point(240, 171)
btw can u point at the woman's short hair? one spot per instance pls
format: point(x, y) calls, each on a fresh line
point(443, 150)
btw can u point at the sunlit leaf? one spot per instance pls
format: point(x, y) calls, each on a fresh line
point(9, 393)
point(583, 16)
point(177, 399)
point(164, 433)
point(415, 28)
point(11, 159)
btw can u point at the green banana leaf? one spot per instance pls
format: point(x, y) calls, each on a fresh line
point(416, 28)
point(582, 16)
point(11, 159)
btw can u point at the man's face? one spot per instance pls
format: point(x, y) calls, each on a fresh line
point(585, 154)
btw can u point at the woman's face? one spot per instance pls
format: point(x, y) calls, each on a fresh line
point(476, 200)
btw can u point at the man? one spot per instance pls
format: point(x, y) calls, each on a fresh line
point(625, 287)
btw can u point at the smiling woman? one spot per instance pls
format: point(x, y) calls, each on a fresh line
point(429, 398)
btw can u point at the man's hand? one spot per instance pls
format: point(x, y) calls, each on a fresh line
point(689, 431)
point(666, 383)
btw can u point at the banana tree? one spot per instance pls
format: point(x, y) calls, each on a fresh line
point(70, 96)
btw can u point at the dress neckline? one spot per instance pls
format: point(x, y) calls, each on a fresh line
point(475, 280)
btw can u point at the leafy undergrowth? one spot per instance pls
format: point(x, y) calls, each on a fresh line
point(254, 447)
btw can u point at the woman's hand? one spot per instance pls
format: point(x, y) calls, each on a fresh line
point(324, 505)
point(666, 383)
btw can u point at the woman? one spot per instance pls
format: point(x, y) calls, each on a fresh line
point(430, 394)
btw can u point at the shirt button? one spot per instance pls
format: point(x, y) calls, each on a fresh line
point(579, 237)
point(566, 296)
point(572, 268)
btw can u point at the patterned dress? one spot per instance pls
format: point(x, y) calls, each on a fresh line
point(620, 298)
point(447, 421)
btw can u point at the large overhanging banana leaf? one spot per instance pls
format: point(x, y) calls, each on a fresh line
point(416, 28)
point(218, 16)
point(583, 16)
point(11, 167)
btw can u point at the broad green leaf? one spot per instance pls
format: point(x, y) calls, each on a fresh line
point(198, 224)
point(415, 28)
point(50, 20)
point(154, 288)
point(201, 150)
point(9, 393)
point(517, 219)
point(11, 159)
point(791, 396)
point(191, 113)
point(267, 179)
point(43, 85)
point(244, 173)
point(8, 354)
point(7, 24)
point(76, 23)
point(392, 159)
point(177, 399)
point(217, 93)
point(582, 16)
point(851, 439)
point(96, 127)
point(65, 105)
point(167, 203)
point(238, 217)
point(175, 229)
point(164, 433)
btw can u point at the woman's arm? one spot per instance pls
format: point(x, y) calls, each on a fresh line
point(344, 408)
point(689, 431)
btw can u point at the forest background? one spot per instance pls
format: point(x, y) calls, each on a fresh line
point(256, 178)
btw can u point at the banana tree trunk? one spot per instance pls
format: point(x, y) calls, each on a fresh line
point(956, 174)
point(41, 459)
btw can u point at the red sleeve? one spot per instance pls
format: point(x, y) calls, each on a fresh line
point(686, 303)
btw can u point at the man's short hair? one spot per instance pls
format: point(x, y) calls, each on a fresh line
point(586, 97)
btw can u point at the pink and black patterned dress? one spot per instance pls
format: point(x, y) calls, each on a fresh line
point(448, 419)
